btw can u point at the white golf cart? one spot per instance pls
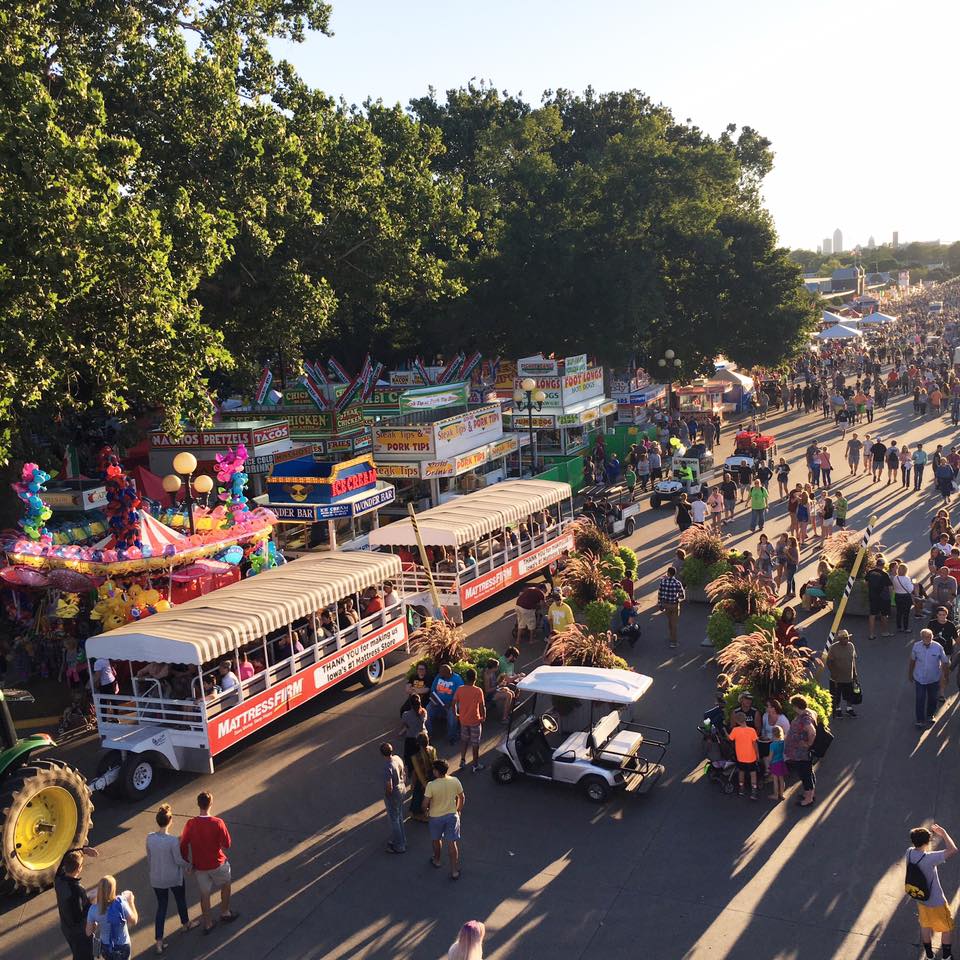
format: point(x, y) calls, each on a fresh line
point(575, 725)
point(667, 492)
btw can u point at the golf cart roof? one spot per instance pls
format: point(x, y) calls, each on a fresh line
point(587, 683)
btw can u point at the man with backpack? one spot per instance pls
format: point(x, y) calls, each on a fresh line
point(923, 885)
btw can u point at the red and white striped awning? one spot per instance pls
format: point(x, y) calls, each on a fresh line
point(152, 532)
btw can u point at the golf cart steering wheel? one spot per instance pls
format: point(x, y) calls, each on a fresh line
point(549, 724)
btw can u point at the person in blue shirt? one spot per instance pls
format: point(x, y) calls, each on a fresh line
point(629, 628)
point(440, 706)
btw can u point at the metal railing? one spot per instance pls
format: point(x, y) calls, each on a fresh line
point(119, 710)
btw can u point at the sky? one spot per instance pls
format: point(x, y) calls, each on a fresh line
point(859, 100)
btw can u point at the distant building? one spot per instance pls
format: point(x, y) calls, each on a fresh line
point(837, 241)
point(850, 279)
point(827, 246)
point(871, 243)
point(896, 239)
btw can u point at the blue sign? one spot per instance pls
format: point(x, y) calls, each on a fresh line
point(306, 480)
point(315, 512)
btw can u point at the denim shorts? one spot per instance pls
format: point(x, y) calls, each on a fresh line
point(446, 827)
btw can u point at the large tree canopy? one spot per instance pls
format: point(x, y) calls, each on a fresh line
point(176, 208)
point(607, 226)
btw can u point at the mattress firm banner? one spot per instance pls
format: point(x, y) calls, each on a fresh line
point(435, 398)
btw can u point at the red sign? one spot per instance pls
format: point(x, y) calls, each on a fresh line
point(245, 718)
point(276, 431)
point(478, 590)
point(356, 481)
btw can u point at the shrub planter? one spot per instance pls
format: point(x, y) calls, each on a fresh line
point(696, 594)
point(857, 605)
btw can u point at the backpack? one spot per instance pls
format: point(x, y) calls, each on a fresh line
point(915, 883)
point(111, 937)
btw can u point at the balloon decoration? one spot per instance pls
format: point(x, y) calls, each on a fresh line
point(230, 472)
point(265, 557)
point(123, 506)
point(29, 488)
point(116, 606)
point(68, 606)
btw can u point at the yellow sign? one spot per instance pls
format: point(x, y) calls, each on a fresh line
point(398, 471)
point(403, 440)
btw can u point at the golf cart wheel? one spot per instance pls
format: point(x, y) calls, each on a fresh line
point(628, 527)
point(655, 502)
point(138, 776)
point(729, 786)
point(504, 772)
point(46, 810)
point(595, 789)
point(372, 674)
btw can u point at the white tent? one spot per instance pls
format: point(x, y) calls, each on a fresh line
point(831, 318)
point(879, 318)
point(837, 332)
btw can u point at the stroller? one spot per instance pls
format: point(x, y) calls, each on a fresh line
point(720, 767)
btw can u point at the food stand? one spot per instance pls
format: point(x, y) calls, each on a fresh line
point(701, 398)
point(263, 438)
point(573, 410)
point(321, 504)
point(441, 444)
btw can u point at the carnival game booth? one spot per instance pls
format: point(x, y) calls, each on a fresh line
point(574, 407)
point(440, 442)
point(322, 505)
point(295, 627)
point(481, 543)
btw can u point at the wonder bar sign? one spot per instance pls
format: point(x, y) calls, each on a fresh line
point(240, 721)
point(479, 589)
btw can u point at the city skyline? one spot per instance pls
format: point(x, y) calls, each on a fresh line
point(703, 65)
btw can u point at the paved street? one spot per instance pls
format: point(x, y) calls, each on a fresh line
point(683, 872)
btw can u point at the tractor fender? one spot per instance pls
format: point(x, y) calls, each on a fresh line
point(22, 750)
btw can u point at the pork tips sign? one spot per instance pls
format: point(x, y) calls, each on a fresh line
point(255, 713)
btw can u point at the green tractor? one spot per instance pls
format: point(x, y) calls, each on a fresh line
point(45, 806)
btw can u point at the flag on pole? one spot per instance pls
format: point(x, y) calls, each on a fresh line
point(336, 368)
point(315, 371)
point(349, 395)
point(373, 380)
point(266, 378)
point(449, 372)
point(316, 394)
point(470, 365)
point(421, 370)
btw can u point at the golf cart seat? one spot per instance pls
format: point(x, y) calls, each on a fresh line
point(575, 748)
point(610, 744)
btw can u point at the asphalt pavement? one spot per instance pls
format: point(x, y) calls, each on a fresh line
point(684, 871)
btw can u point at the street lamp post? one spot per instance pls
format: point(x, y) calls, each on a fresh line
point(184, 465)
point(669, 359)
point(526, 397)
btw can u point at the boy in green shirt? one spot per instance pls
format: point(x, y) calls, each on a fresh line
point(840, 510)
point(758, 505)
point(630, 476)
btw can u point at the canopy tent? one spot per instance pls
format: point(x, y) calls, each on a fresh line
point(731, 376)
point(467, 519)
point(879, 318)
point(838, 332)
point(212, 626)
point(152, 532)
point(831, 318)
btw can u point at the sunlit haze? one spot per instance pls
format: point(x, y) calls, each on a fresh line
point(856, 100)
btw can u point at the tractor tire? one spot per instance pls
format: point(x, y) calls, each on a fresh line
point(47, 810)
